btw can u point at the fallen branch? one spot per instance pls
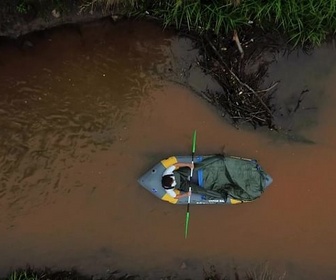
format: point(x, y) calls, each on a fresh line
point(239, 81)
point(236, 39)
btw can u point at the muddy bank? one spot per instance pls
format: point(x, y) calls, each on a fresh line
point(19, 18)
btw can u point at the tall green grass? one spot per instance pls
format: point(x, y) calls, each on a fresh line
point(220, 16)
point(22, 275)
point(109, 4)
point(302, 21)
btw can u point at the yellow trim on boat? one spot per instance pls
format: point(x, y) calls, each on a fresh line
point(235, 201)
point(166, 163)
point(169, 198)
point(169, 161)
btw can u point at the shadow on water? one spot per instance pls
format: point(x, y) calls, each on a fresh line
point(84, 112)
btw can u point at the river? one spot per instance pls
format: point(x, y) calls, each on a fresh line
point(84, 112)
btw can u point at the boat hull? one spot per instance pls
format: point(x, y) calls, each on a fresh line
point(151, 181)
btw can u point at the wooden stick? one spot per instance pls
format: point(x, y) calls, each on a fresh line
point(236, 39)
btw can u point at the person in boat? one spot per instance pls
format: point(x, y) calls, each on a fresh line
point(169, 181)
point(177, 176)
point(222, 177)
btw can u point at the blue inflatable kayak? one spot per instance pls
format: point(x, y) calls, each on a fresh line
point(239, 179)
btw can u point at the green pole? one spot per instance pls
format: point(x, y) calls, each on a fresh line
point(193, 149)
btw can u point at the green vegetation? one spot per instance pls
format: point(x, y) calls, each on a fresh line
point(22, 275)
point(125, 5)
point(261, 272)
point(19, 12)
point(48, 274)
point(23, 7)
point(300, 21)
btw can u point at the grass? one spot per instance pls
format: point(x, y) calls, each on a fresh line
point(109, 4)
point(23, 275)
point(301, 21)
point(261, 272)
point(30, 273)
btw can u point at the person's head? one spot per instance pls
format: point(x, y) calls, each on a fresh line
point(168, 181)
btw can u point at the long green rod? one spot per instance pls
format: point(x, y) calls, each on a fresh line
point(193, 149)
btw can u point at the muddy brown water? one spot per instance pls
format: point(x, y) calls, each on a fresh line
point(85, 112)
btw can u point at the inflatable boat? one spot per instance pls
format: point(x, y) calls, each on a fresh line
point(216, 179)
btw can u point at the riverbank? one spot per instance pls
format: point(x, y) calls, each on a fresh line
point(260, 272)
point(20, 18)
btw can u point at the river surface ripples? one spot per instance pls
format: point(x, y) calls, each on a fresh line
point(85, 112)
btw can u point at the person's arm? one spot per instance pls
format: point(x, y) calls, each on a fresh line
point(173, 194)
point(178, 196)
point(184, 164)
